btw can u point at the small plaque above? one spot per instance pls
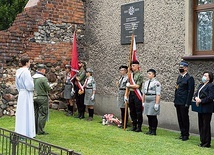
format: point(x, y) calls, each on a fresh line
point(132, 17)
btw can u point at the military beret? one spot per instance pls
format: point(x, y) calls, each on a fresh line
point(81, 61)
point(152, 70)
point(135, 62)
point(67, 66)
point(183, 64)
point(123, 66)
point(41, 66)
point(89, 70)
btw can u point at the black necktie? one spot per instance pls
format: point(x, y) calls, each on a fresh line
point(121, 81)
point(148, 86)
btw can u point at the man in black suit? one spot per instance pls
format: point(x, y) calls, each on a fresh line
point(183, 97)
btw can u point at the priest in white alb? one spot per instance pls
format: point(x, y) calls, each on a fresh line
point(25, 120)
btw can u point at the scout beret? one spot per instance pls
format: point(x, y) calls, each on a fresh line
point(123, 66)
point(183, 64)
point(67, 66)
point(135, 62)
point(89, 70)
point(41, 66)
point(152, 70)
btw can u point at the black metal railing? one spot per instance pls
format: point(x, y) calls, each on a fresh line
point(12, 143)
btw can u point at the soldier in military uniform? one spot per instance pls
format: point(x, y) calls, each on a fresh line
point(90, 89)
point(183, 97)
point(41, 104)
point(151, 100)
point(81, 76)
point(121, 92)
point(135, 97)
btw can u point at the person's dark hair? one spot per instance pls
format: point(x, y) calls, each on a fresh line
point(24, 60)
point(210, 74)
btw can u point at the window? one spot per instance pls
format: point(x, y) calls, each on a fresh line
point(203, 34)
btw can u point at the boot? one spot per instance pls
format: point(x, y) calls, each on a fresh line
point(149, 132)
point(153, 131)
point(134, 127)
point(81, 115)
point(138, 129)
point(78, 116)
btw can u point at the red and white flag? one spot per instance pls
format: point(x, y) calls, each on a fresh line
point(134, 58)
point(134, 50)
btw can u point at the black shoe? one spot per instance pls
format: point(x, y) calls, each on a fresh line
point(89, 119)
point(43, 133)
point(185, 138)
point(153, 133)
point(204, 145)
point(133, 128)
point(78, 116)
point(81, 117)
point(69, 113)
point(149, 132)
point(138, 130)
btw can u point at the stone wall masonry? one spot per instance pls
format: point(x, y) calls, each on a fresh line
point(44, 33)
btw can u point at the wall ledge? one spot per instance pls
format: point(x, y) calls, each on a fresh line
point(199, 57)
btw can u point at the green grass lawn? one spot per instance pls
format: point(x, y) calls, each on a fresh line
point(92, 138)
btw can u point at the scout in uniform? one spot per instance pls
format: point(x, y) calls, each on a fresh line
point(183, 96)
point(151, 100)
point(121, 92)
point(135, 97)
point(68, 92)
point(80, 94)
point(90, 89)
point(41, 104)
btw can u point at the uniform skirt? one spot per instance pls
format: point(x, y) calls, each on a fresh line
point(67, 92)
point(120, 99)
point(87, 99)
point(149, 105)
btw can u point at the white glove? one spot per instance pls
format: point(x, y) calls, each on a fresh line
point(72, 92)
point(156, 107)
point(127, 84)
point(126, 99)
point(52, 85)
point(92, 97)
point(143, 104)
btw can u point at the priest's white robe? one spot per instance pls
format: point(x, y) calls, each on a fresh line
point(25, 119)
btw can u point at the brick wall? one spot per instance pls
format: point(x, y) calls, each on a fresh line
point(20, 39)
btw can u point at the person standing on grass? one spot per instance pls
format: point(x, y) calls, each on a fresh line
point(151, 100)
point(68, 92)
point(41, 103)
point(90, 89)
point(79, 95)
point(184, 91)
point(25, 120)
point(121, 92)
point(204, 99)
point(134, 97)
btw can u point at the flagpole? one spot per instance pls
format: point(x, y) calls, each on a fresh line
point(129, 74)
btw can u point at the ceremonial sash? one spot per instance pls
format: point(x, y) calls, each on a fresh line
point(136, 90)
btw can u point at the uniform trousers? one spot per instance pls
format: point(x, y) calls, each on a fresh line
point(80, 101)
point(204, 120)
point(41, 113)
point(152, 121)
point(183, 119)
point(135, 106)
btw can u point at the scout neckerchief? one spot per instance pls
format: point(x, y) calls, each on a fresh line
point(136, 90)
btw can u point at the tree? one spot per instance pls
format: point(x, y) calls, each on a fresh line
point(9, 10)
